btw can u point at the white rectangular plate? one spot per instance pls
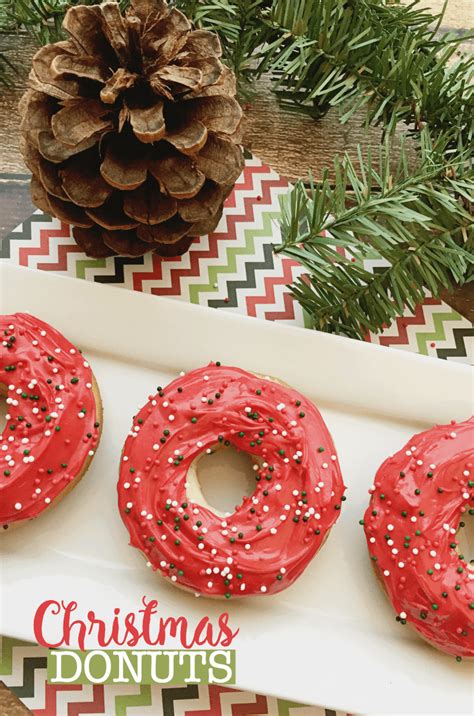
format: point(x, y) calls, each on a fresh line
point(330, 639)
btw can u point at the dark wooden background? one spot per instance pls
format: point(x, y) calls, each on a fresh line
point(290, 143)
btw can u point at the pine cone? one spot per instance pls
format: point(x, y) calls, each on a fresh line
point(131, 129)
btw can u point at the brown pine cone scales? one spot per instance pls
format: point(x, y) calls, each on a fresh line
point(131, 129)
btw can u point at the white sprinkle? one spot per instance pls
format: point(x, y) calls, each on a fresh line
point(403, 615)
point(273, 531)
point(437, 566)
point(263, 589)
point(47, 500)
point(386, 573)
point(415, 550)
point(281, 406)
point(433, 553)
point(413, 519)
point(171, 418)
point(247, 546)
point(129, 505)
point(18, 505)
point(210, 585)
point(126, 485)
point(156, 446)
point(453, 435)
point(390, 528)
point(401, 564)
point(200, 545)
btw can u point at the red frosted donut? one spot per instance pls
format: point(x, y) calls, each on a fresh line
point(418, 499)
point(272, 536)
point(53, 420)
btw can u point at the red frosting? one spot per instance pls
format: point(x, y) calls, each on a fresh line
point(51, 428)
point(272, 536)
point(419, 499)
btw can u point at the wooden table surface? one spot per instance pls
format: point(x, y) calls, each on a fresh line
point(290, 143)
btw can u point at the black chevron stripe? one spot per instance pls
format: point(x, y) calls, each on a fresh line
point(30, 664)
point(120, 262)
point(460, 351)
point(250, 281)
point(169, 696)
point(23, 235)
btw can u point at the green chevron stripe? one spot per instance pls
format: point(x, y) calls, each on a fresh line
point(6, 654)
point(439, 334)
point(285, 706)
point(84, 264)
point(122, 703)
point(232, 253)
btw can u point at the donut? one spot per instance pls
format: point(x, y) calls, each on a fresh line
point(53, 421)
point(268, 541)
point(419, 499)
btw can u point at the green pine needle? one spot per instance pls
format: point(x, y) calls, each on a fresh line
point(417, 221)
point(382, 56)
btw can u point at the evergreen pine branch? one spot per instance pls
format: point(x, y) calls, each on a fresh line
point(42, 19)
point(417, 221)
point(368, 53)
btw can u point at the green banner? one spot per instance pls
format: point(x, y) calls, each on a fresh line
point(103, 666)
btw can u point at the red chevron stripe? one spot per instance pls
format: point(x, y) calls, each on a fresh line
point(245, 183)
point(96, 706)
point(50, 698)
point(259, 708)
point(63, 252)
point(288, 314)
point(215, 708)
point(402, 324)
point(269, 297)
point(195, 254)
point(43, 249)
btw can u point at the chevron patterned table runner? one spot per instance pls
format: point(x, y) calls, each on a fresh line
point(233, 269)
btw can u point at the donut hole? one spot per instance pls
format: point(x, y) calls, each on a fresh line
point(220, 480)
point(465, 537)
